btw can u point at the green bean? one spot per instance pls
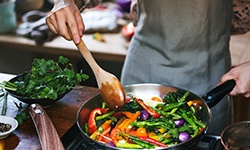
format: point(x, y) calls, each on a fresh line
point(167, 140)
point(105, 115)
point(128, 145)
point(183, 98)
point(141, 143)
point(171, 106)
point(189, 120)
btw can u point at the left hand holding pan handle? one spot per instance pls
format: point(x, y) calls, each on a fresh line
point(241, 75)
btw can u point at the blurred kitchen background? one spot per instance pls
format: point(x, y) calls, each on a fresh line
point(24, 36)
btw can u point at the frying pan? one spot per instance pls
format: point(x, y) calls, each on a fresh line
point(50, 139)
point(236, 136)
point(203, 106)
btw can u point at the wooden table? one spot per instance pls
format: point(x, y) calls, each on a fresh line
point(62, 114)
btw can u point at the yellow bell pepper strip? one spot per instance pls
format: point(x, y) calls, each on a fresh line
point(120, 121)
point(125, 124)
point(131, 118)
point(102, 128)
point(162, 130)
point(91, 121)
point(190, 103)
point(153, 113)
point(151, 134)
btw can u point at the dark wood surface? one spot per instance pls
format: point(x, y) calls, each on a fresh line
point(62, 114)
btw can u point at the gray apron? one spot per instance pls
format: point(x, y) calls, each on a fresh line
point(184, 44)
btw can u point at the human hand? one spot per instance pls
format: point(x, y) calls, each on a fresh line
point(241, 74)
point(65, 19)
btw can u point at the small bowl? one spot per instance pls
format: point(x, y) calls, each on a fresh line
point(43, 101)
point(8, 120)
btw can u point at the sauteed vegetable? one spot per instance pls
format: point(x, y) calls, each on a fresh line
point(145, 123)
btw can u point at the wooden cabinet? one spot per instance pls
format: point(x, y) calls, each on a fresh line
point(241, 108)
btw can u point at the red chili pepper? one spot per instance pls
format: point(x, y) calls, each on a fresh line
point(153, 141)
point(91, 121)
point(147, 108)
point(201, 130)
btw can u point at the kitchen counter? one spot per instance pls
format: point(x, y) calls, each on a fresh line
point(62, 114)
point(113, 49)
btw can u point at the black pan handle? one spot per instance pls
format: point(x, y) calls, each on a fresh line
point(215, 95)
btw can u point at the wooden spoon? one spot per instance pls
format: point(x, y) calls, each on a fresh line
point(111, 89)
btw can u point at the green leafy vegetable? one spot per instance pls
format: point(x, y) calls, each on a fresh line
point(132, 106)
point(47, 79)
point(21, 115)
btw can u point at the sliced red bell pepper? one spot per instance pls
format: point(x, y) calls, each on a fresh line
point(91, 121)
point(147, 108)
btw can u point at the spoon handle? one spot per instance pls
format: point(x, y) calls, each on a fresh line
point(90, 60)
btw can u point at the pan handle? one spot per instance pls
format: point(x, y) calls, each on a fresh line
point(47, 133)
point(215, 95)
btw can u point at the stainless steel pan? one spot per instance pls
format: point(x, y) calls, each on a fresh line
point(149, 90)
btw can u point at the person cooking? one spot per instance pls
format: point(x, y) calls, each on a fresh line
point(179, 43)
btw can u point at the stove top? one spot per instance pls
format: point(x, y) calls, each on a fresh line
point(72, 140)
